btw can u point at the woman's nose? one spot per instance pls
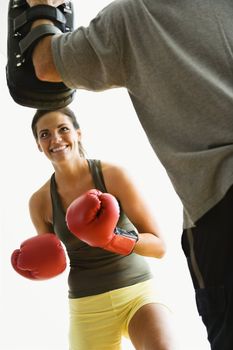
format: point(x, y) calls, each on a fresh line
point(56, 137)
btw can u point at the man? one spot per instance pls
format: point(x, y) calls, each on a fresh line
point(175, 58)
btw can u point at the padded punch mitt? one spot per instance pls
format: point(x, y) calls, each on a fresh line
point(25, 88)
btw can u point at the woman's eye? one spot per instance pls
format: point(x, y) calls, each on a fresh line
point(64, 129)
point(43, 135)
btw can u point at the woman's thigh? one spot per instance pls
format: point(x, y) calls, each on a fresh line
point(150, 328)
point(93, 329)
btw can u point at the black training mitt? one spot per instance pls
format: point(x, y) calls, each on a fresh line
point(25, 88)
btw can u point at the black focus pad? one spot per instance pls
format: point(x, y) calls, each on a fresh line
point(25, 88)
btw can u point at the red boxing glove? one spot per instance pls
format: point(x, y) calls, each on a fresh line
point(93, 217)
point(40, 257)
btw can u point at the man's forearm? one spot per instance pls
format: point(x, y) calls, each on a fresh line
point(43, 62)
point(42, 54)
point(54, 3)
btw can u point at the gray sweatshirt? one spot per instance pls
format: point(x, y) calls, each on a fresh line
point(175, 58)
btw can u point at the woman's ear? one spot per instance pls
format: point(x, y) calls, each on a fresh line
point(79, 133)
point(39, 147)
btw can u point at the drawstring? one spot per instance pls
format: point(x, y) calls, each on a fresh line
point(194, 264)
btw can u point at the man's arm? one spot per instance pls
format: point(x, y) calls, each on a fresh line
point(42, 57)
point(54, 3)
point(43, 62)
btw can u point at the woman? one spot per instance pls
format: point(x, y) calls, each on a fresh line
point(110, 295)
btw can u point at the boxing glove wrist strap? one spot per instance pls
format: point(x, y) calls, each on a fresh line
point(128, 234)
point(123, 242)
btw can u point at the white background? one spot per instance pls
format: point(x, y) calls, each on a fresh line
point(34, 315)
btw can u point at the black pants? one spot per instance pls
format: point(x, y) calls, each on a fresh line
point(209, 251)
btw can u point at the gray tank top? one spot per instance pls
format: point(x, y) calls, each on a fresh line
point(95, 270)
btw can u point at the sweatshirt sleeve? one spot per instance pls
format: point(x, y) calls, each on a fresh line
point(89, 58)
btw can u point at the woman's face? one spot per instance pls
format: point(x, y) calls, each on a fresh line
point(57, 137)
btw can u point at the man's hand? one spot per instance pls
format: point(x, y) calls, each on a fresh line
point(31, 71)
point(54, 3)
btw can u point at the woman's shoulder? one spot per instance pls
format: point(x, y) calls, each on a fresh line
point(112, 170)
point(39, 197)
point(115, 175)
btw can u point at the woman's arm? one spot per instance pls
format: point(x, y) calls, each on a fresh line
point(40, 212)
point(119, 184)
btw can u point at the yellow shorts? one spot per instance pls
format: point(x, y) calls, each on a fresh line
point(98, 322)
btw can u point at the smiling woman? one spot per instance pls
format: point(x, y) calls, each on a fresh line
point(107, 232)
point(61, 129)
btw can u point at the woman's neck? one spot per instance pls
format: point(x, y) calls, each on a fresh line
point(71, 170)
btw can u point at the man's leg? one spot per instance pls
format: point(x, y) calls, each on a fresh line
point(209, 251)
